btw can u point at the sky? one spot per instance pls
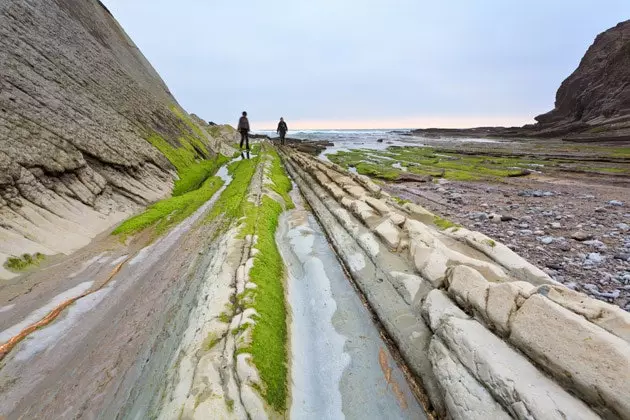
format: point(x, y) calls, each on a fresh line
point(366, 63)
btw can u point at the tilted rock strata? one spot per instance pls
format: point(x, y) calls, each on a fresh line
point(489, 334)
point(77, 102)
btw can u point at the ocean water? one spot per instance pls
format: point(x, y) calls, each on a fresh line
point(369, 139)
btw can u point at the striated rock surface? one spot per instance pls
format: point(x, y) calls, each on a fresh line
point(78, 102)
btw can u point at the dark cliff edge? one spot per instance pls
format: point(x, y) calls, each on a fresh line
point(88, 129)
point(592, 104)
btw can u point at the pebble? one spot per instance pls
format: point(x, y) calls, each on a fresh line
point(526, 232)
point(546, 240)
point(622, 257)
point(590, 287)
point(581, 236)
point(615, 203)
point(556, 225)
point(595, 257)
point(564, 246)
point(495, 217)
point(478, 215)
point(596, 244)
point(539, 232)
point(523, 225)
point(610, 295)
point(622, 226)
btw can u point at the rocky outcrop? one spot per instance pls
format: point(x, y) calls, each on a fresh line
point(592, 104)
point(488, 334)
point(599, 89)
point(78, 102)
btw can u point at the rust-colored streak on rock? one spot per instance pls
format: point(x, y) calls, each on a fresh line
point(400, 396)
point(387, 372)
point(52, 315)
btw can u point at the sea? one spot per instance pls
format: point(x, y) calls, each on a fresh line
point(369, 139)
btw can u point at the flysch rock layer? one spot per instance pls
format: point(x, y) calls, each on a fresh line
point(78, 102)
point(488, 334)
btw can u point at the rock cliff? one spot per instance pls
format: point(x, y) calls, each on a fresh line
point(592, 104)
point(600, 87)
point(597, 93)
point(86, 125)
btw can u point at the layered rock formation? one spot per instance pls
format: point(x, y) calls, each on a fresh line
point(597, 93)
point(592, 104)
point(489, 335)
point(78, 102)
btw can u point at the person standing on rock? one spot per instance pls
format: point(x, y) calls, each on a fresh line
point(282, 130)
point(243, 128)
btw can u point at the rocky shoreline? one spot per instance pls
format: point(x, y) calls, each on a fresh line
point(578, 233)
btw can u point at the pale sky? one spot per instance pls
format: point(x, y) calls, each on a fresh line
point(366, 63)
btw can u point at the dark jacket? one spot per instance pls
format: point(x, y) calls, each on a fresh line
point(282, 127)
point(243, 124)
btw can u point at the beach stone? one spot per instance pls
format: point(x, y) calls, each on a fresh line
point(468, 288)
point(397, 218)
point(378, 205)
point(609, 317)
point(510, 377)
point(547, 240)
point(438, 305)
point(556, 337)
point(623, 226)
point(517, 266)
point(595, 244)
point(389, 233)
point(465, 397)
point(581, 236)
point(503, 301)
point(615, 203)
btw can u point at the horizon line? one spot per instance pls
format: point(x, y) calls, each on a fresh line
point(404, 123)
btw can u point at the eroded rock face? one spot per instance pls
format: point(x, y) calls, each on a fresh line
point(77, 103)
point(600, 86)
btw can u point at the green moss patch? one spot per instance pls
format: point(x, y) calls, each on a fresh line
point(231, 202)
point(169, 212)
point(180, 157)
point(281, 182)
point(269, 334)
point(23, 262)
point(442, 223)
point(192, 177)
point(425, 161)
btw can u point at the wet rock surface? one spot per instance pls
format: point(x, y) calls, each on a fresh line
point(569, 229)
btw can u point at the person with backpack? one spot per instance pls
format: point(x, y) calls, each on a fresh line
point(243, 128)
point(282, 130)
